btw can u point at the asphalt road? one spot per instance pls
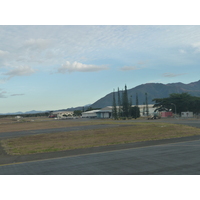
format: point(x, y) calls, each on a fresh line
point(179, 158)
point(171, 156)
point(14, 134)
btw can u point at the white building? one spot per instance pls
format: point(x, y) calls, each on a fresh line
point(143, 109)
point(186, 114)
point(106, 112)
point(90, 114)
point(63, 114)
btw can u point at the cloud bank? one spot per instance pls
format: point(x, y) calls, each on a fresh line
point(80, 67)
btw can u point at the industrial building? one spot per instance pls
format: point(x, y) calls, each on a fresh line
point(106, 112)
point(90, 114)
point(187, 114)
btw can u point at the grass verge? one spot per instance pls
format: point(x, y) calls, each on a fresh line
point(91, 138)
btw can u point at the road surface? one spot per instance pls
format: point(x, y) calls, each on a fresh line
point(165, 159)
point(170, 156)
point(14, 134)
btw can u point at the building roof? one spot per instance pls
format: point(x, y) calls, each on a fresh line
point(104, 111)
point(91, 111)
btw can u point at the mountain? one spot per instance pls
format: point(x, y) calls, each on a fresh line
point(35, 112)
point(21, 113)
point(78, 108)
point(153, 90)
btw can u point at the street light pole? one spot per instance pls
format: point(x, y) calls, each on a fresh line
point(175, 107)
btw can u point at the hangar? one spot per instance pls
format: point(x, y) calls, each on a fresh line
point(106, 112)
point(90, 114)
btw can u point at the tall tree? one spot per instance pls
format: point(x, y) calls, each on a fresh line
point(119, 104)
point(125, 103)
point(130, 105)
point(137, 109)
point(147, 107)
point(143, 109)
point(114, 108)
point(135, 112)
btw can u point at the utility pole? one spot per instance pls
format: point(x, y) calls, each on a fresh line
point(175, 107)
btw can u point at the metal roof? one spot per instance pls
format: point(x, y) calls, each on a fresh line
point(102, 111)
point(91, 111)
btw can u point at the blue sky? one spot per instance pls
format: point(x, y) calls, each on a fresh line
point(63, 66)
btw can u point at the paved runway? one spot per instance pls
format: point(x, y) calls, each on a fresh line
point(14, 134)
point(172, 159)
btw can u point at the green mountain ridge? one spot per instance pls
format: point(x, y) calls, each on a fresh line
point(153, 90)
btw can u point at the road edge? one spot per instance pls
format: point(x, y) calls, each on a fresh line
point(8, 159)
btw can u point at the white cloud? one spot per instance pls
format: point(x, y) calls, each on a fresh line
point(196, 46)
point(76, 66)
point(3, 53)
point(37, 43)
point(182, 51)
point(20, 71)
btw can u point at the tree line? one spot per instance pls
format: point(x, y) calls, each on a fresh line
point(178, 103)
point(122, 107)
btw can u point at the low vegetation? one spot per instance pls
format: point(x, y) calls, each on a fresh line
point(123, 133)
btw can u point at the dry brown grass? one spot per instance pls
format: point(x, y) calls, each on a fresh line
point(9, 125)
point(90, 138)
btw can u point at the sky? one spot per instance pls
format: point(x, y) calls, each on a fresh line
point(51, 67)
point(63, 66)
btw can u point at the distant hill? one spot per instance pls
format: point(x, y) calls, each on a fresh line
point(21, 113)
point(153, 90)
